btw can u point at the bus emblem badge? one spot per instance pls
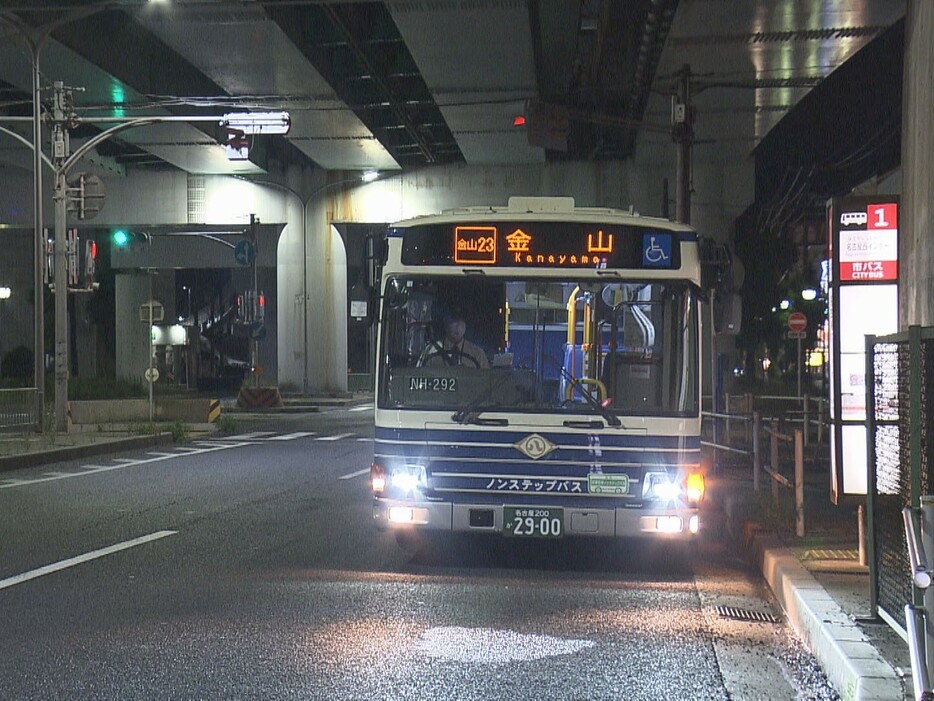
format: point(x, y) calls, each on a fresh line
point(535, 446)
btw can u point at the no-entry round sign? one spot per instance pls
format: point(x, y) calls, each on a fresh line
point(797, 321)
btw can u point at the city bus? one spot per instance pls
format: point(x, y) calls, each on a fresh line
point(580, 413)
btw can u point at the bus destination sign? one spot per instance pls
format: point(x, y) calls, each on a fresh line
point(541, 244)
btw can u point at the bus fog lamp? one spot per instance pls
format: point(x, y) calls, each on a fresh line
point(694, 524)
point(668, 524)
point(407, 514)
point(401, 514)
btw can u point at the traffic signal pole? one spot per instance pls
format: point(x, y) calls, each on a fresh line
point(63, 115)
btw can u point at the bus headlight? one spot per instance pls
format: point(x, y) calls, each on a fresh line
point(660, 487)
point(408, 478)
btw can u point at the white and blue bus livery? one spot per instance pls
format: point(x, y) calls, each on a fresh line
point(584, 419)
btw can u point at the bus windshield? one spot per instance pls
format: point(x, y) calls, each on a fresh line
point(472, 344)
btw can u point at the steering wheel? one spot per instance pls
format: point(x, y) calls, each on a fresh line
point(453, 356)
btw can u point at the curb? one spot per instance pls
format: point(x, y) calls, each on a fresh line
point(76, 452)
point(845, 654)
point(273, 410)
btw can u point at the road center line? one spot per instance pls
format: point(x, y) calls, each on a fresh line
point(72, 561)
point(358, 473)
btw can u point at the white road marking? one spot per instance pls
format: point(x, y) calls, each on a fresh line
point(72, 561)
point(94, 469)
point(358, 473)
point(334, 438)
point(291, 436)
point(364, 407)
point(364, 440)
point(248, 436)
point(161, 455)
point(57, 474)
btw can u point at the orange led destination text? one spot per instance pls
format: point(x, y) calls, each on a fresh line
point(475, 245)
point(521, 246)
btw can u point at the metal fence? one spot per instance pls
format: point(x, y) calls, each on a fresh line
point(742, 434)
point(17, 407)
point(900, 390)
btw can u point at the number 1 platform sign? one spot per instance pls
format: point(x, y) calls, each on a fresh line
point(868, 248)
point(863, 301)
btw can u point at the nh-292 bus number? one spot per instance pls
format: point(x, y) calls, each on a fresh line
point(533, 522)
point(432, 384)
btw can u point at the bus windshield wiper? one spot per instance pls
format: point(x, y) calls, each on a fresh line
point(470, 414)
point(611, 418)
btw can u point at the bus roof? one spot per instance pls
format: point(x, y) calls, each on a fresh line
point(543, 208)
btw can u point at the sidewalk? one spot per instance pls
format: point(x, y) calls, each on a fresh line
point(818, 582)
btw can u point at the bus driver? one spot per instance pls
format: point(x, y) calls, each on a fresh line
point(454, 349)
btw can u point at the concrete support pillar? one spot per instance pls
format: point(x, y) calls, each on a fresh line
point(916, 257)
point(132, 336)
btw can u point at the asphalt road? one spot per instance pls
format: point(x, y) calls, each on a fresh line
point(247, 568)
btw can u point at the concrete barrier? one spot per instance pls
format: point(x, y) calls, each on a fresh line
point(259, 397)
point(122, 411)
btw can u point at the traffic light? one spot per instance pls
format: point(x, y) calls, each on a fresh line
point(123, 238)
point(90, 263)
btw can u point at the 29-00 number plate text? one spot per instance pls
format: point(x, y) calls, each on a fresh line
point(533, 522)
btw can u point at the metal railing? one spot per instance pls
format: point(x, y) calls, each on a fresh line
point(772, 469)
point(722, 443)
point(810, 412)
point(18, 407)
point(919, 526)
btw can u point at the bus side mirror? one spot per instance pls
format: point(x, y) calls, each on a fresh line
point(396, 294)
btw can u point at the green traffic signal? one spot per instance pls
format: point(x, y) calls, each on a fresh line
point(121, 238)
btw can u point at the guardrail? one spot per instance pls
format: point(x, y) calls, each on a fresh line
point(754, 422)
point(919, 535)
point(753, 449)
point(18, 407)
point(772, 470)
point(809, 412)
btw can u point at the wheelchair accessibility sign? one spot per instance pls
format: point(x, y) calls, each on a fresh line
point(656, 250)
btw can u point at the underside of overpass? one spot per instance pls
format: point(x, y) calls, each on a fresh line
point(786, 104)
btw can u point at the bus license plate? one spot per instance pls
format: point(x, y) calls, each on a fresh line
point(533, 522)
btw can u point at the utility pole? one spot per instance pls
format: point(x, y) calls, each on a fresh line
point(61, 113)
point(39, 242)
point(63, 119)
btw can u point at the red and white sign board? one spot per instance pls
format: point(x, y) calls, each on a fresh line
point(868, 245)
point(797, 321)
point(863, 301)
